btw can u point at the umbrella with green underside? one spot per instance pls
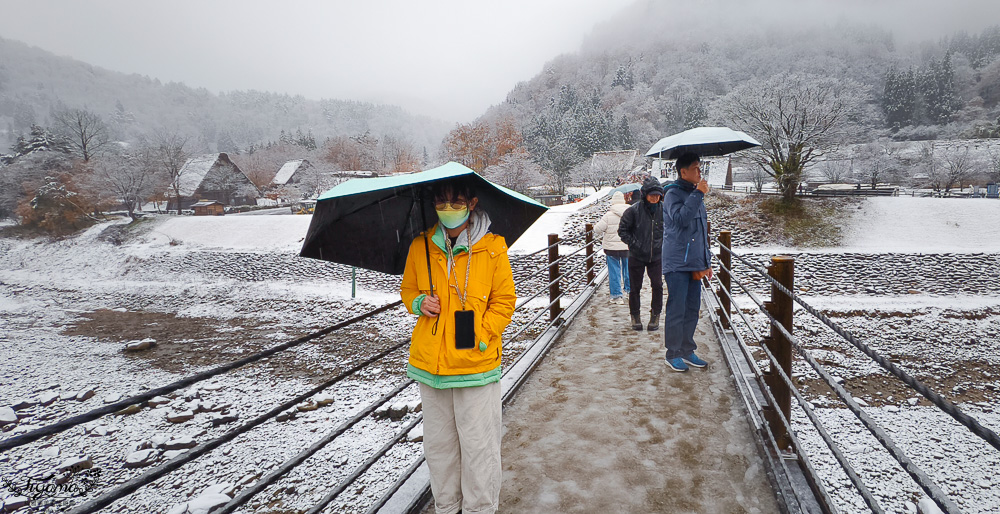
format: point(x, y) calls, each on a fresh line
point(370, 223)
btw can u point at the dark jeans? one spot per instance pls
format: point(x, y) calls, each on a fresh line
point(635, 270)
point(681, 318)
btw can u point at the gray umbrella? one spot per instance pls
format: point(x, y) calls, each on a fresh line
point(704, 141)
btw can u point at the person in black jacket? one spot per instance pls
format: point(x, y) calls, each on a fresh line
point(641, 228)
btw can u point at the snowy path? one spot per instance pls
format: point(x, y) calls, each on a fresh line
point(603, 426)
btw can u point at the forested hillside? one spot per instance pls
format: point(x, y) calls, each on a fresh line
point(35, 83)
point(654, 71)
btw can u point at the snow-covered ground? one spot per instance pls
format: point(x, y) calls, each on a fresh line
point(208, 290)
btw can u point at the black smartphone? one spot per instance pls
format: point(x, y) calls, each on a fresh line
point(465, 330)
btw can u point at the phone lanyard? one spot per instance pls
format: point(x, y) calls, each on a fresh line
point(468, 266)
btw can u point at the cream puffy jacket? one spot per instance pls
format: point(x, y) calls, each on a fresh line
point(608, 226)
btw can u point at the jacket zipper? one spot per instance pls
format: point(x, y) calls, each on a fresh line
point(652, 235)
point(686, 250)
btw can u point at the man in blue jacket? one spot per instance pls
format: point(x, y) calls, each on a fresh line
point(686, 260)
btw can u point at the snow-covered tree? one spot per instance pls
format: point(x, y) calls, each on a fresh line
point(877, 162)
point(516, 170)
point(759, 176)
point(899, 98)
point(959, 166)
point(85, 131)
point(130, 177)
point(169, 152)
point(794, 117)
point(17, 178)
point(836, 171)
point(993, 169)
point(39, 140)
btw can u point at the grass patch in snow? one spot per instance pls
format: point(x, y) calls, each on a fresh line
point(806, 222)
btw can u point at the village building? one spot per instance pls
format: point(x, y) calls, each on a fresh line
point(300, 179)
point(213, 177)
point(208, 208)
point(287, 173)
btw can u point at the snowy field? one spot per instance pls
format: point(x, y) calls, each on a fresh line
point(207, 290)
point(918, 280)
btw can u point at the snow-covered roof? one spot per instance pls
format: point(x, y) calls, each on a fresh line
point(194, 170)
point(206, 203)
point(287, 170)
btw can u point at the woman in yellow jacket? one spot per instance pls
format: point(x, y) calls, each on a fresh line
point(456, 347)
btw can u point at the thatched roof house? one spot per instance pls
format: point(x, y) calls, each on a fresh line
point(286, 174)
point(213, 177)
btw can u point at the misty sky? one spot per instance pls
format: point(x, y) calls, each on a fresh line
point(450, 59)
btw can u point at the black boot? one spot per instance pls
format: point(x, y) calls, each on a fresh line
point(636, 323)
point(654, 322)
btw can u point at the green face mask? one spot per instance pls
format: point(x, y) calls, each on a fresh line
point(453, 218)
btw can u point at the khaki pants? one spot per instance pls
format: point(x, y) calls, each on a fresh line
point(462, 431)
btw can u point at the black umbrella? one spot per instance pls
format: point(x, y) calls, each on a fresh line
point(370, 223)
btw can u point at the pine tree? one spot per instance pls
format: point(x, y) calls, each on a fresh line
point(624, 135)
point(39, 140)
point(899, 98)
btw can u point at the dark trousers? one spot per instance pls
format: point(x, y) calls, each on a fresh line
point(681, 318)
point(636, 268)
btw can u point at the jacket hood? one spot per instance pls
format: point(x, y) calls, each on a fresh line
point(618, 198)
point(651, 185)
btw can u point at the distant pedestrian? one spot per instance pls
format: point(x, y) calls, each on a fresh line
point(615, 251)
point(641, 229)
point(686, 260)
point(455, 348)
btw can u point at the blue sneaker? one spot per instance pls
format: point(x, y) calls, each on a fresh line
point(693, 360)
point(677, 364)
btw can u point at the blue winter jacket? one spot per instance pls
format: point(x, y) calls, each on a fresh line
point(685, 229)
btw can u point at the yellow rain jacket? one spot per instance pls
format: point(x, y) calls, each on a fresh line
point(434, 360)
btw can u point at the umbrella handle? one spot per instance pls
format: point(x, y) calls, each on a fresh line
point(427, 254)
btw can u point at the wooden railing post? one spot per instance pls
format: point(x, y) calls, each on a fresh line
point(726, 258)
point(589, 227)
point(782, 268)
point(554, 309)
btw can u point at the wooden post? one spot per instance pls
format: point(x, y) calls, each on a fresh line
point(726, 258)
point(589, 227)
point(554, 310)
point(782, 268)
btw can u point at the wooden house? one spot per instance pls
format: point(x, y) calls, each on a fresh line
point(208, 208)
point(213, 177)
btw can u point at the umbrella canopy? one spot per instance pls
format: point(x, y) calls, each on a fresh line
point(371, 222)
point(704, 141)
point(625, 188)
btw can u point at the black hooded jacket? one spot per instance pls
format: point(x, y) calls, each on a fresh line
point(641, 227)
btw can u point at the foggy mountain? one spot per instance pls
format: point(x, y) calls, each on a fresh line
point(661, 67)
point(34, 82)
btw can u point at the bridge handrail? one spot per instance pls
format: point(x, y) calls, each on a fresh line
point(929, 487)
point(150, 476)
point(942, 403)
point(810, 413)
point(59, 426)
